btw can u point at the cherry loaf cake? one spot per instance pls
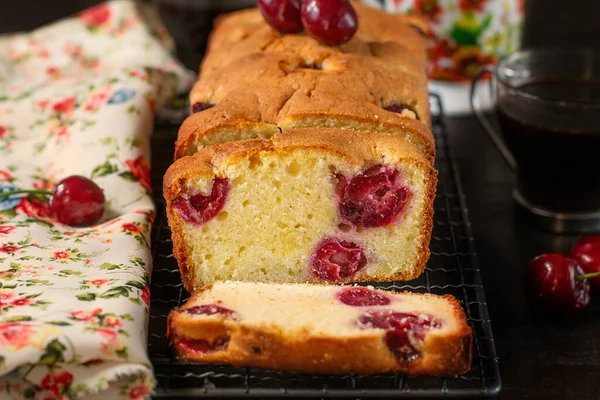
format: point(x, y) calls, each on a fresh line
point(255, 82)
point(349, 329)
point(308, 205)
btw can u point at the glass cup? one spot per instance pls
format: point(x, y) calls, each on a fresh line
point(547, 102)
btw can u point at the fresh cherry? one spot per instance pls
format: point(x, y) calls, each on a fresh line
point(336, 260)
point(283, 15)
point(586, 251)
point(372, 198)
point(556, 283)
point(209, 309)
point(313, 66)
point(199, 106)
point(199, 208)
point(405, 331)
point(333, 22)
point(77, 201)
point(200, 346)
point(359, 296)
point(398, 108)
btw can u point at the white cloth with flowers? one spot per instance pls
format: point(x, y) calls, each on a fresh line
point(78, 97)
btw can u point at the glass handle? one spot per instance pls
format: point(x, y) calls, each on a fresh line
point(485, 124)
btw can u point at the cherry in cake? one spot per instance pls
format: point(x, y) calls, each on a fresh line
point(337, 260)
point(310, 205)
point(359, 296)
point(199, 208)
point(404, 331)
point(200, 346)
point(400, 108)
point(324, 329)
point(200, 106)
point(372, 198)
point(209, 309)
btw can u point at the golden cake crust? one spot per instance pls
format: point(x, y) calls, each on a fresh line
point(240, 33)
point(268, 346)
point(261, 82)
point(361, 148)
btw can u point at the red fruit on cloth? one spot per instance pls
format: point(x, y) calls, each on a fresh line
point(77, 201)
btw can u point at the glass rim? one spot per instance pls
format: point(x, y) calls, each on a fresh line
point(544, 52)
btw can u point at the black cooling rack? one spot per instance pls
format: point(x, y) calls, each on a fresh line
point(452, 269)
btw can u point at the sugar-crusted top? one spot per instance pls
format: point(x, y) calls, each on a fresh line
point(255, 75)
point(243, 32)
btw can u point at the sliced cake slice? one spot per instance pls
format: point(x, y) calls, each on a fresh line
point(323, 329)
point(309, 205)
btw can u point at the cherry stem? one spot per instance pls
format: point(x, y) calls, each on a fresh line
point(37, 191)
point(587, 276)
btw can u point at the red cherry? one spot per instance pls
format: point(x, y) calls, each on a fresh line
point(586, 251)
point(283, 15)
point(199, 106)
point(552, 283)
point(398, 108)
point(199, 208)
point(200, 346)
point(373, 198)
point(77, 201)
point(209, 309)
point(336, 260)
point(405, 331)
point(361, 296)
point(333, 22)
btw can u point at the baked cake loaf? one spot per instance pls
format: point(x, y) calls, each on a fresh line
point(308, 205)
point(255, 82)
point(323, 329)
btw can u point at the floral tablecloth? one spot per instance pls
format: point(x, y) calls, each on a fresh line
point(78, 97)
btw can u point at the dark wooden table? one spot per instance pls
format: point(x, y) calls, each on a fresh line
point(541, 357)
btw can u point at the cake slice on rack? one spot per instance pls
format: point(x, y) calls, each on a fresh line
point(323, 329)
point(309, 205)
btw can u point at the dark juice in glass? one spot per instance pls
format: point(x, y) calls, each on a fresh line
point(558, 167)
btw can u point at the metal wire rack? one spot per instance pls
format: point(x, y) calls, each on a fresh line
point(452, 269)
